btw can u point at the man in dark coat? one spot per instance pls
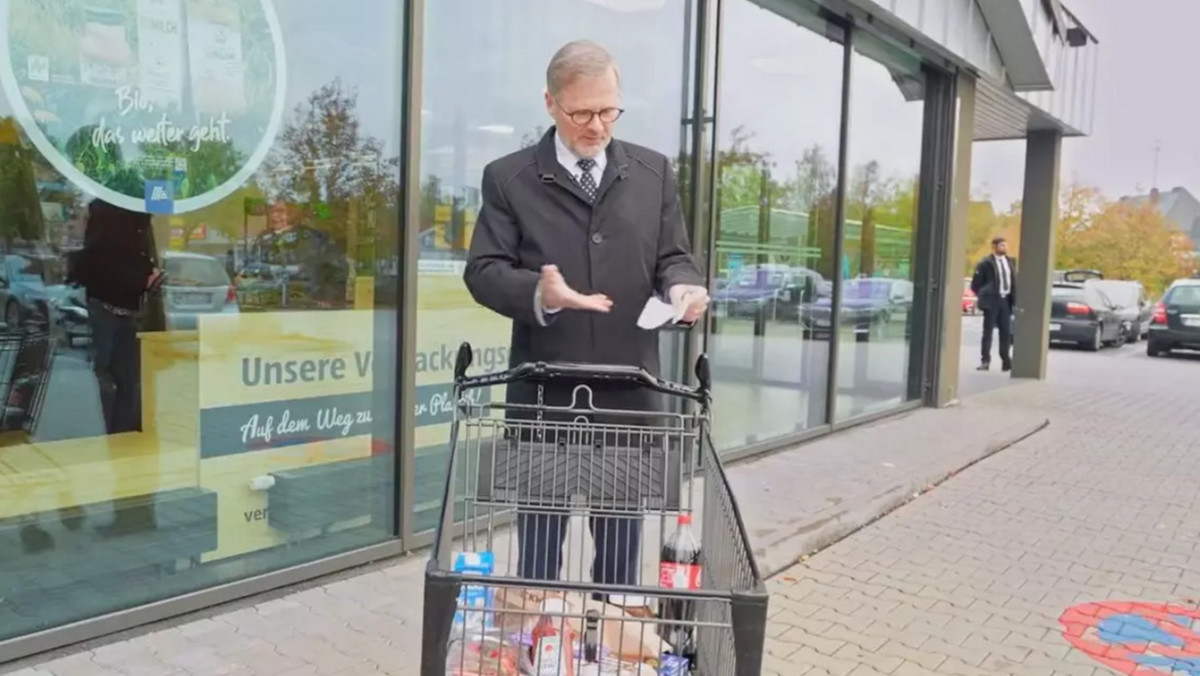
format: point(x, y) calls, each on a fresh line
point(574, 236)
point(995, 285)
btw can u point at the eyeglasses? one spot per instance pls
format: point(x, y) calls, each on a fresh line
point(583, 117)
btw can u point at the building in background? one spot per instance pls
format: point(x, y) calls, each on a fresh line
point(314, 189)
point(1178, 205)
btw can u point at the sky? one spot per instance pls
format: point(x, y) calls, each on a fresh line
point(1146, 95)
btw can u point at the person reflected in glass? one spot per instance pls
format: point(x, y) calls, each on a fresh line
point(117, 267)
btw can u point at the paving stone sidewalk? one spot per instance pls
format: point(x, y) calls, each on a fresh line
point(973, 577)
point(367, 621)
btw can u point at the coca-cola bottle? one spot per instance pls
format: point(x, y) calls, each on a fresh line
point(679, 568)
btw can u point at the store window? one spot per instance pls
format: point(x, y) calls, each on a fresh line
point(198, 236)
point(887, 92)
point(779, 119)
point(482, 99)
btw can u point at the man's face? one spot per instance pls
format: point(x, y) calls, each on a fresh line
point(1001, 248)
point(585, 94)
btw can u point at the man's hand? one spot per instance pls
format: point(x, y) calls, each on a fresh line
point(556, 295)
point(689, 301)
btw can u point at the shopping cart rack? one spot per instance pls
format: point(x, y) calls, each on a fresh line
point(552, 514)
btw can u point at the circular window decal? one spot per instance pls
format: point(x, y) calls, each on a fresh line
point(165, 106)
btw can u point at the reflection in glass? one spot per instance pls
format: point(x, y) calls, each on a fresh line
point(479, 105)
point(196, 379)
point(777, 186)
point(875, 328)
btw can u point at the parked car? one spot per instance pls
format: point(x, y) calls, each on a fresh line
point(1084, 315)
point(1176, 321)
point(876, 308)
point(69, 313)
point(1133, 305)
point(195, 285)
point(777, 291)
point(970, 302)
point(23, 293)
point(1076, 276)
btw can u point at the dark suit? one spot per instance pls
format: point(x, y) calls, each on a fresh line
point(630, 244)
point(997, 307)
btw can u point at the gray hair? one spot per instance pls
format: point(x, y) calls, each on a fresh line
point(580, 58)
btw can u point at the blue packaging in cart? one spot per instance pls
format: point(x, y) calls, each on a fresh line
point(673, 665)
point(473, 595)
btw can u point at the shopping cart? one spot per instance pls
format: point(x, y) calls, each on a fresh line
point(512, 465)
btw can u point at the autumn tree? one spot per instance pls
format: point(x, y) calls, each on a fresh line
point(19, 204)
point(1127, 241)
point(325, 161)
point(1079, 206)
point(985, 223)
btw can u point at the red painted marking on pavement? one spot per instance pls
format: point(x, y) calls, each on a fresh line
point(1081, 628)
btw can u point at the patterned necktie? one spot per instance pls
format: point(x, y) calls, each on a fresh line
point(586, 180)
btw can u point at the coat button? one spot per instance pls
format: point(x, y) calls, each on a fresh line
point(597, 238)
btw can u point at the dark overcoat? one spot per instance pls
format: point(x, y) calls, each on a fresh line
point(629, 244)
point(985, 283)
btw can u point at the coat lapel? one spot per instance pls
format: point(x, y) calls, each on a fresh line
point(551, 172)
point(616, 169)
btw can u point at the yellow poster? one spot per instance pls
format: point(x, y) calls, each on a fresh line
point(279, 391)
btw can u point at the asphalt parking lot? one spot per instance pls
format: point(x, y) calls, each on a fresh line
point(1065, 361)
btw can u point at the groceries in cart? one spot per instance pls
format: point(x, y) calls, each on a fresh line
point(474, 601)
point(679, 568)
point(617, 633)
point(484, 654)
point(522, 476)
point(549, 641)
point(552, 652)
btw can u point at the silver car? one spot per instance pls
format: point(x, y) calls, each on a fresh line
point(195, 285)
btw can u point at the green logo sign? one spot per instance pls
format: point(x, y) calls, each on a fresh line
point(119, 93)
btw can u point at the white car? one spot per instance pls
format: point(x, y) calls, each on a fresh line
point(195, 284)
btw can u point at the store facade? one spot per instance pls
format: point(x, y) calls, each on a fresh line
point(310, 178)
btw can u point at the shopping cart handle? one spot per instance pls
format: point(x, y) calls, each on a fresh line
point(582, 373)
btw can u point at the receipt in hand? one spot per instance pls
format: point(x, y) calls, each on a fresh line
point(655, 314)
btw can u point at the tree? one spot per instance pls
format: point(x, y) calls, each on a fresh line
point(1078, 207)
point(324, 160)
point(984, 224)
point(1128, 241)
point(740, 181)
point(815, 190)
point(20, 208)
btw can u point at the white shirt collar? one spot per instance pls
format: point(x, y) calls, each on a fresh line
point(569, 160)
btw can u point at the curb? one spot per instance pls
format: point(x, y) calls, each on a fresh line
point(828, 527)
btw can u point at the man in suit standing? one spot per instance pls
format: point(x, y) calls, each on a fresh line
point(574, 236)
point(995, 286)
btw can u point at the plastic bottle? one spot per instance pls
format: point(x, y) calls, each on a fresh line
point(679, 568)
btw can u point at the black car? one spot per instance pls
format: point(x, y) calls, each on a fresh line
point(875, 307)
point(1084, 315)
point(1133, 305)
point(774, 291)
point(1176, 322)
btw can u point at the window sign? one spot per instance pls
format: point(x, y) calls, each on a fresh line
point(122, 95)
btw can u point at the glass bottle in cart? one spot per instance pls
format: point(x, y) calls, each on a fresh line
point(679, 568)
point(553, 649)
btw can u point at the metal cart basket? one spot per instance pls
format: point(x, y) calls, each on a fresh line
point(525, 485)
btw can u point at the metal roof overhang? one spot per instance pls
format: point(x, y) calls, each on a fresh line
point(1001, 115)
point(1014, 40)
